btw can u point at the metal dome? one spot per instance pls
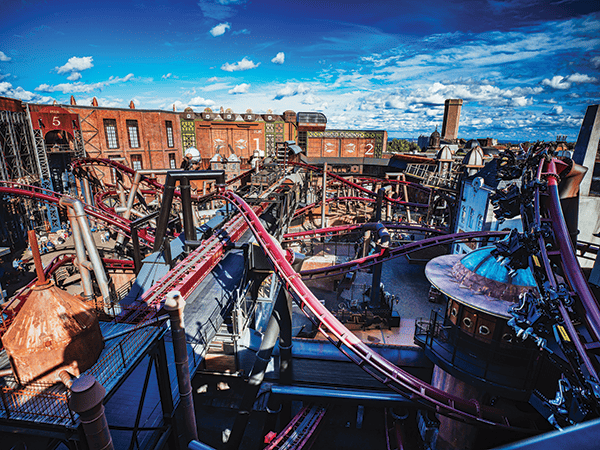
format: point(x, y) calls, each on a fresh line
point(478, 280)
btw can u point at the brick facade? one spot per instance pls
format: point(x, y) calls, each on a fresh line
point(150, 147)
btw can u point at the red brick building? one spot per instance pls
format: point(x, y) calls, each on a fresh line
point(144, 139)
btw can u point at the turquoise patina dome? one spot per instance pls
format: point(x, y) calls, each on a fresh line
point(481, 262)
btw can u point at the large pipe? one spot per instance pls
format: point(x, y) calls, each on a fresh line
point(86, 400)
point(257, 374)
point(86, 278)
point(174, 305)
point(87, 192)
point(90, 245)
point(322, 394)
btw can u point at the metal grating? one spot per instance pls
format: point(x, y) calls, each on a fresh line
point(48, 404)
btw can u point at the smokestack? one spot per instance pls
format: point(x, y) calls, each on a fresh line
point(451, 119)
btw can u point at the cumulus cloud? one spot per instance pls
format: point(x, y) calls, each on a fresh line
point(220, 29)
point(240, 89)
point(290, 90)
point(595, 61)
point(244, 64)
point(167, 75)
point(3, 57)
point(7, 90)
point(75, 64)
point(202, 102)
point(560, 82)
point(75, 76)
point(555, 111)
point(78, 87)
point(279, 58)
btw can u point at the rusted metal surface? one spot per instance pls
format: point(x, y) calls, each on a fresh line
point(54, 331)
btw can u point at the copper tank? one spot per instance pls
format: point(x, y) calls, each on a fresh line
point(53, 332)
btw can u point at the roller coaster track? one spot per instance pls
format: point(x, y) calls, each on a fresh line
point(557, 247)
point(193, 269)
point(131, 172)
point(51, 197)
point(412, 184)
point(357, 186)
point(394, 377)
point(300, 431)
point(387, 254)
point(343, 229)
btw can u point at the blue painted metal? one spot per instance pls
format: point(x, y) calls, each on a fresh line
point(580, 437)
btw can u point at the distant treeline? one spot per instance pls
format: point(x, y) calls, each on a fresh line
point(402, 146)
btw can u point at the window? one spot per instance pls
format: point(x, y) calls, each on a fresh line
point(110, 129)
point(132, 130)
point(172, 161)
point(136, 162)
point(471, 212)
point(170, 141)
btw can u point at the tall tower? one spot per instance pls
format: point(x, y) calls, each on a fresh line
point(451, 118)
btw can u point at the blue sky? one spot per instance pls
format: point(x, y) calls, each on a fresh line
point(525, 69)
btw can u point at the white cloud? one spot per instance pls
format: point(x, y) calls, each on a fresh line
point(76, 64)
point(240, 89)
point(595, 61)
point(75, 76)
point(244, 64)
point(560, 82)
point(580, 78)
point(220, 29)
point(279, 58)
point(215, 87)
point(7, 90)
point(557, 82)
point(199, 101)
point(3, 57)
point(78, 87)
point(212, 79)
point(290, 90)
point(166, 76)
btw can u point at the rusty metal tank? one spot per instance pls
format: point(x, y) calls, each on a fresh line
point(54, 331)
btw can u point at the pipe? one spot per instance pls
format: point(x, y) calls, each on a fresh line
point(324, 202)
point(257, 374)
point(86, 400)
point(322, 394)
point(130, 200)
point(90, 246)
point(174, 305)
point(86, 278)
point(405, 192)
point(37, 259)
point(87, 192)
